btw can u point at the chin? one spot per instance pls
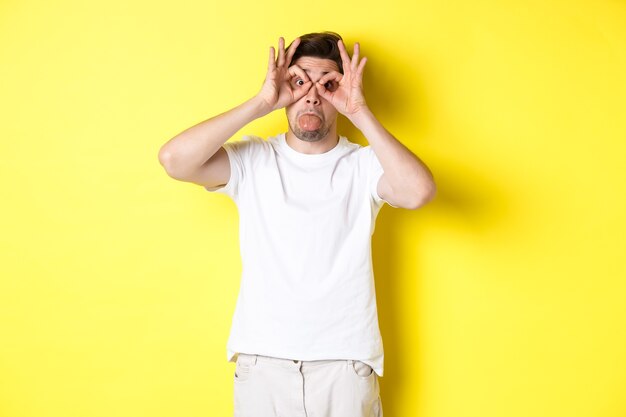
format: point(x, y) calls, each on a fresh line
point(309, 136)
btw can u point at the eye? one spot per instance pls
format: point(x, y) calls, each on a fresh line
point(299, 81)
point(329, 85)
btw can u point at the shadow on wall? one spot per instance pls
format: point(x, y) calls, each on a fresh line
point(472, 200)
point(465, 197)
point(462, 195)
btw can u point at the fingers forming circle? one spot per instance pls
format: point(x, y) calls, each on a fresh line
point(302, 91)
point(332, 75)
point(295, 70)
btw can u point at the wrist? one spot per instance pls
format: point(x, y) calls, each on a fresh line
point(361, 116)
point(261, 106)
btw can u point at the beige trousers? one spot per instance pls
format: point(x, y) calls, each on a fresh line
point(266, 386)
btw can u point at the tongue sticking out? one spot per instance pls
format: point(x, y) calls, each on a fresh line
point(310, 122)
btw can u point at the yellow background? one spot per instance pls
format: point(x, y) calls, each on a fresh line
point(504, 297)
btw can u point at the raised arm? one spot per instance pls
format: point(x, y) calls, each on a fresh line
point(406, 182)
point(194, 155)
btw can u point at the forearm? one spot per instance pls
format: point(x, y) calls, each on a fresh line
point(191, 148)
point(404, 171)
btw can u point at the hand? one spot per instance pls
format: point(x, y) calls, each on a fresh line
point(278, 91)
point(346, 93)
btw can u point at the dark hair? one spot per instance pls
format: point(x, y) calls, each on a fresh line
point(320, 45)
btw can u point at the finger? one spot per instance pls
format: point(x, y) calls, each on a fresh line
point(295, 70)
point(345, 59)
point(272, 63)
point(281, 52)
point(355, 57)
point(332, 75)
point(359, 71)
point(322, 91)
point(302, 90)
point(292, 49)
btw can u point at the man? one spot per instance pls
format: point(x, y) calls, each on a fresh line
point(305, 334)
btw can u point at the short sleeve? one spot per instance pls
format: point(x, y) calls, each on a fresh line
point(375, 171)
point(240, 154)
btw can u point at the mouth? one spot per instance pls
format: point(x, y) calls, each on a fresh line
point(309, 121)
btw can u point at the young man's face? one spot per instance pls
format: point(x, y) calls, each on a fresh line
point(322, 116)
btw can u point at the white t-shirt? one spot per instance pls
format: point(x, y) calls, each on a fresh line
point(305, 225)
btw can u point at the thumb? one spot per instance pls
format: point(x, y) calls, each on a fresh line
point(322, 91)
point(302, 91)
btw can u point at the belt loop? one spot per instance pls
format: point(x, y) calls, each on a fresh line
point(254, 359)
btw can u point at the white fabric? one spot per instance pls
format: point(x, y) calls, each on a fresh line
point(264, 386)
point(305, 225)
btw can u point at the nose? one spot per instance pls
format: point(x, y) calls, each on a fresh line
point(312, 97)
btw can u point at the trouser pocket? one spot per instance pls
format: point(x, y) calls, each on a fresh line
point(362, 370)
point(244, 366)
